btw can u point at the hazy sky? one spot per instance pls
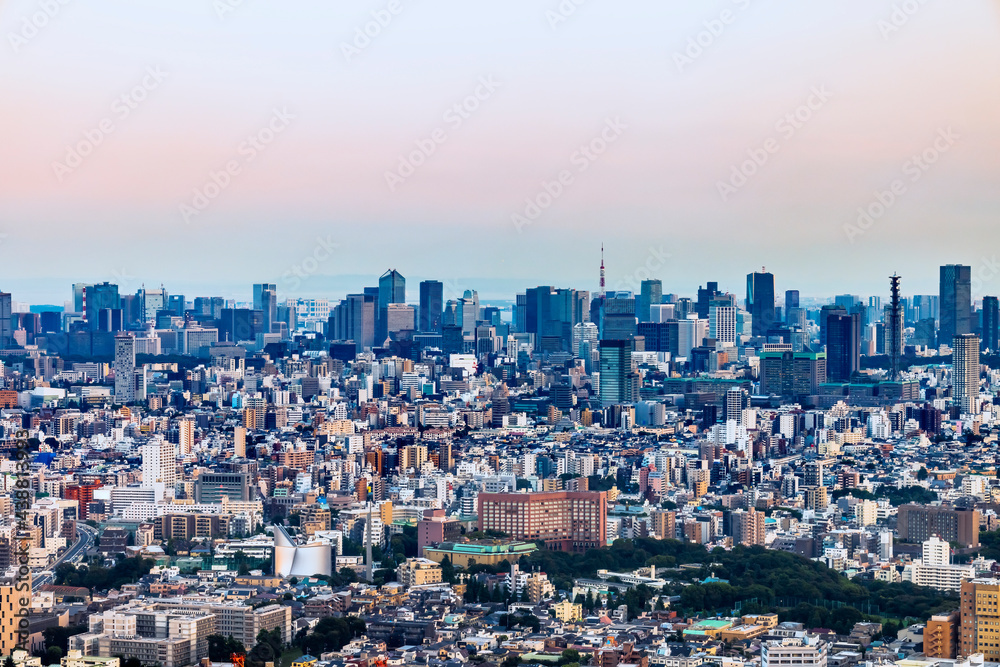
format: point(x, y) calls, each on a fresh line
point(332, 113)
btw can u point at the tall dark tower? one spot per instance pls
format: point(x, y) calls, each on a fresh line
point(760, 301)
point(894, 328)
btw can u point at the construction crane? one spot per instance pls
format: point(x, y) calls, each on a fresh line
point(238, 659)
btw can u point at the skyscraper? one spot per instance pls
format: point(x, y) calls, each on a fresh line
point(431, 305)
point(955, 301)
point(354, 319)
point(991, 320)
point(97, 298)
point(843, 346)
point(722, 323)
point(616, 366)
point(265, 299)
point(6, 328)
point(391, 289)
point(151, 301)
point(650, 294)
point(965, 373)
point(760, 301)
point(124, 369)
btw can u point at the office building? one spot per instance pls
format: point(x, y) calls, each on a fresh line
point(616, 369)
point(240, 324)
point(265, 299)
point(431, 306)
point(965, 373)
point(399, 317)
point(991, 323)
point(617, 317)
point(584, 331)
point(918, 523)
point(792, 374)
point(6, 327)
point(843, 346)
point(353, 319)
point(211, 486)
point(955, 301)
point(722, 324)
point(650, 294)
point(391, 289)
point(565, 520)
point(760, 301)
point(97, 298)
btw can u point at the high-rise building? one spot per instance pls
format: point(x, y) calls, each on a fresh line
point(979, 628)
point(843, 346)
point(240, 324)
point(955, 301)
point(399, 317)
point(391, 289)
point(584, 331)
point(97, 298)
point(791, 374)
point(185, 436)
point(151, 302)
point(124, 369)
point(265, 299)
point(991, 323)
point(354, 320)
point(616, 367)
point(176, 304)
point(760, 301)
point(240, 442)
point(791, 301)
point(722, 323)
point(571, 521)
point(650, 294)
point(748, 527)
point(6, 327)
point(965, 373)
point(159, 463)
point(705, 296)
point(431, 305)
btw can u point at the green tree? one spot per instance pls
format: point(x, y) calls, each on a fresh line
point(922, 474)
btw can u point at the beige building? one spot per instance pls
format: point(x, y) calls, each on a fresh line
point(418, 572)
point(567, 612)
point(13, 603)
point(77, 659)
